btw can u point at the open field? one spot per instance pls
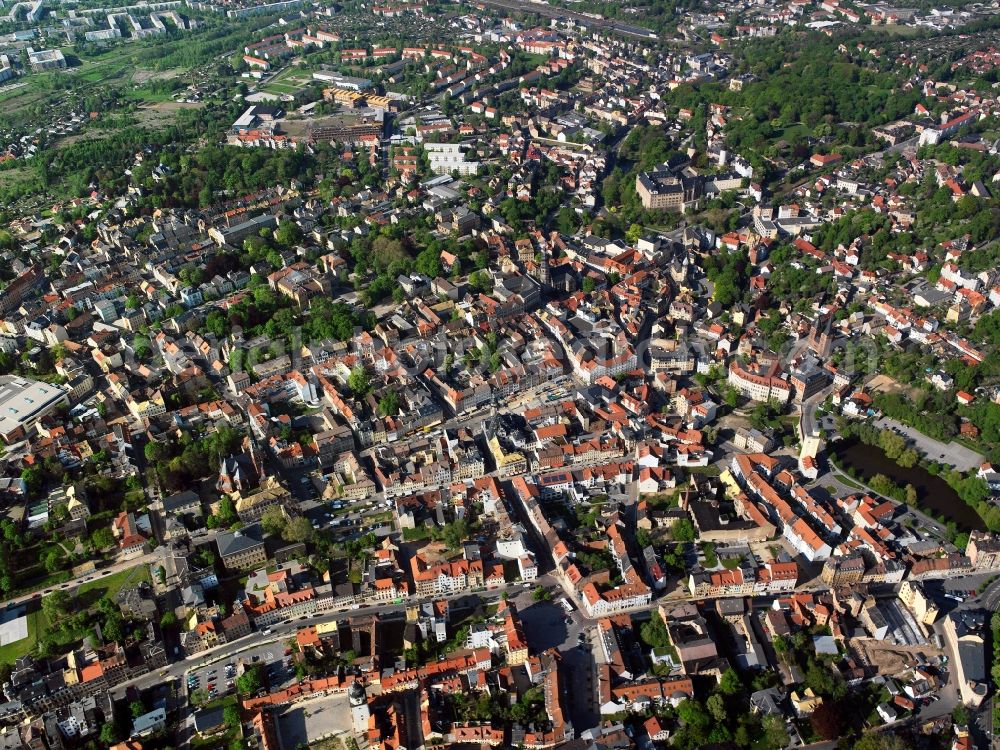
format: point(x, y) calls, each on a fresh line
point(316, 719)
point(36, 624)
point(160, 113)
point(290, 80)
point(109, 586)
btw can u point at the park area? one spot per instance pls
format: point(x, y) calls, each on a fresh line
point(21, 627)
point(289, 81)
point(19, 631)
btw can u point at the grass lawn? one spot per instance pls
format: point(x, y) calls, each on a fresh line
point(280, 88)
point(222, 702)
point(95, 72)
point(793, 132)
point(37, 622)
point(144, 94)
point(331, 743)
point(416, 535)
point(115, 582)
point(899, 30)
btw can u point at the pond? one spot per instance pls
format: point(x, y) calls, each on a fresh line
point(933, 493)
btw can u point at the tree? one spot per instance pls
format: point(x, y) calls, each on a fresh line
point(388, 405)
point(288, 234)
point(960, 715)
point(892, 444)
point(250, 681)
point(359, 381)
point(827, 720)
point(775, 733)
point(823, 680)
point(455, 533)
point(227, 512)
point(908, 458)
point(480, 282)
point(168, 621)
point(540, 594)
point(716, 706)
point(273, 520)
point(428, 263)
point(298, 530)
point(54, 558)
point(683, 530)
point(231, 717)
point(215, 322)
point(730, 683)
point(642, 538)
point(567, 220)
point(102, 538)
point(880, 741)
point(654, 632)
point(697, 723)
point(113, 628)
point(137, 709)
point(109, 735)
point(56, 606)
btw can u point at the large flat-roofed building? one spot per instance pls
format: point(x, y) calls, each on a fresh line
point(963, 630)
point(662, 191)
point(46, 59)
point(342, 81)
point(241, 550)
point(23, 402)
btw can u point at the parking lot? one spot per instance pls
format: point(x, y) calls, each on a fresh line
point(951, 454)
point(219, 678)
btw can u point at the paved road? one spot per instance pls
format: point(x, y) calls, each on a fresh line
point(551, 11)
point(116, 567)
point(273, 643)
point(925, 524)
point(548, 626)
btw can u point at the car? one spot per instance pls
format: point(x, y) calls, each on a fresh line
point(106, 573)
point(48, 591)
